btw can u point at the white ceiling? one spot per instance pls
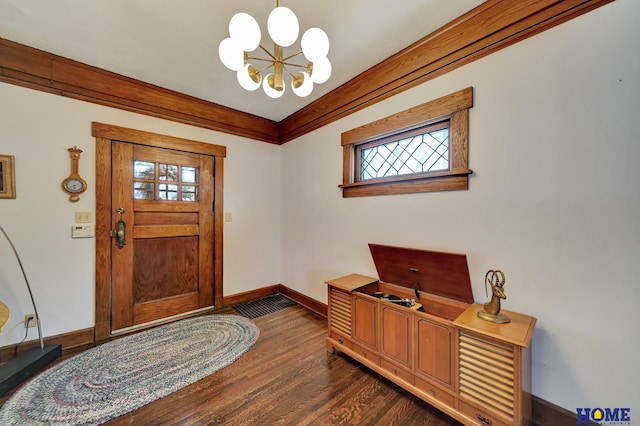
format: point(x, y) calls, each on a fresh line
point(174, 43)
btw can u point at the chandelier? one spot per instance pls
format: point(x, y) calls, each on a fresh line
point(236, 50)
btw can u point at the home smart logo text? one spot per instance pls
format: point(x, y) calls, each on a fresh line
point(604, 416)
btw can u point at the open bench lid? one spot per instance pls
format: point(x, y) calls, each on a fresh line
point(439, 273)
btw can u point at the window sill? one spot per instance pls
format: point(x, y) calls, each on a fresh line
point(437, 181)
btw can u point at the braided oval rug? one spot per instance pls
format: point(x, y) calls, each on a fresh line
point(119, 376)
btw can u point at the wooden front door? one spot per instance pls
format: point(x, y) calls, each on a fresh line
point(164, 264)
point(167, 191)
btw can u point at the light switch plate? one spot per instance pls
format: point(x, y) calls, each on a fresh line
point(83, 217)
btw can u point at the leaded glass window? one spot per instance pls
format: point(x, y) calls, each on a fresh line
point(420, 151)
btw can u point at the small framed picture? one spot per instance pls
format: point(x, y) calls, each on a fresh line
point(7, 177)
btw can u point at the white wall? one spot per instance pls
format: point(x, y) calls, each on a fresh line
point(553, 201)
point(37, 128)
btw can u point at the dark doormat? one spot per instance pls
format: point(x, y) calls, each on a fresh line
point(266, 305)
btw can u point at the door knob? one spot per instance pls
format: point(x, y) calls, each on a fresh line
point(120, 233)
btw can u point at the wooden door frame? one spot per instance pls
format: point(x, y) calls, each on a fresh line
point(105, 134)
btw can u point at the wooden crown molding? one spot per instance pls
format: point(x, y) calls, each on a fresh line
point(492, 26)
point(25, 66)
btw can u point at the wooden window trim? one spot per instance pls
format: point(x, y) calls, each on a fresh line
point(453, 107)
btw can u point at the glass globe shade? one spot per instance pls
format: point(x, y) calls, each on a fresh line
point(283, 26)
point(245, 30)
point(315, 44)
point(245, 80)
point(231, 54)
point(321, 70)
point(271, 92)
point(305, 88)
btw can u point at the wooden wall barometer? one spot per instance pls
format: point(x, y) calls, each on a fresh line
point(73, 184)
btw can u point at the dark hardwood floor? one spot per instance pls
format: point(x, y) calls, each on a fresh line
point(288, 378)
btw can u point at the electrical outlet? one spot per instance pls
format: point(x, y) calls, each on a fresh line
point(30, 320)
